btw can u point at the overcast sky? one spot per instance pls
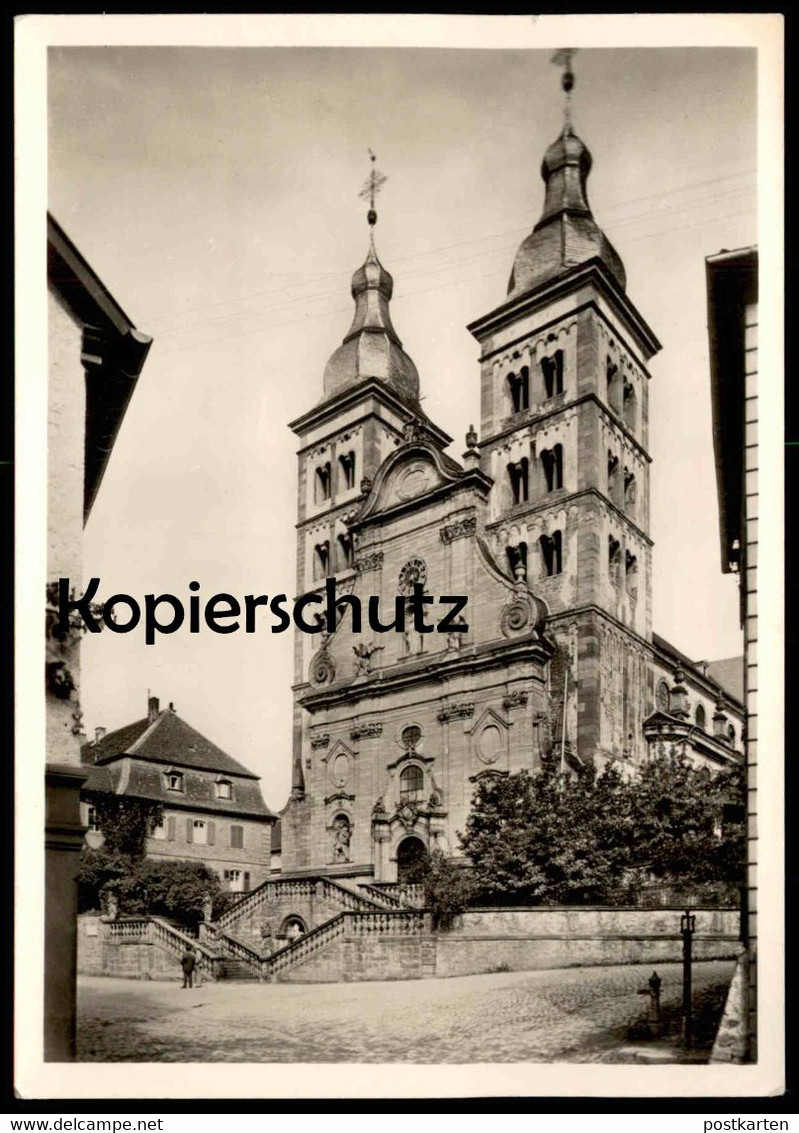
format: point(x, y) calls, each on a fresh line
point(215, 192)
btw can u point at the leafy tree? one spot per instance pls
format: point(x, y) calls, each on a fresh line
point(597, 837)
point(177, 889)
point(677, 813)
point(125, 822)
point(448, 889)
point(97, 869)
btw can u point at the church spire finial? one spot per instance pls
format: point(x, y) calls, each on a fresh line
point(371, 187)
point(563, 58)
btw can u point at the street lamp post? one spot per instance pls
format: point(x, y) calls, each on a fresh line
point(687, 927)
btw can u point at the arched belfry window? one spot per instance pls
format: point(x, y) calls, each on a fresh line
point(552, 371)
point(347, 464)
point(613, 383)
point(321, 559)
point(322, 485)
point(631, 574)
point(552, 464)
point(629, 406)
point(519, 476)
point(411, 784)
point(552, 553)
point(345, 551)
point(519, 389)
point(613, 475)
point(629, 491)
point(614, 559)
point(699, 716)
point(517, 560)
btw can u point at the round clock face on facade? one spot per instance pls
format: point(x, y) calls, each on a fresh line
point(415, 570)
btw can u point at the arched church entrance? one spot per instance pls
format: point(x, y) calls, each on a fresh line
point(412, 859)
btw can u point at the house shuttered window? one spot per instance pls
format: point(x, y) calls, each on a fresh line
point(237, 837)
point(200, 832)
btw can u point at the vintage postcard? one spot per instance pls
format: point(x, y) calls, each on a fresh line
point(391, 467)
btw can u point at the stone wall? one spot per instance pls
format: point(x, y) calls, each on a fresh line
point(491, 940)
point(99, 955)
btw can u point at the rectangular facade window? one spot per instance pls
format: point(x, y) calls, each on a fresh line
point(237, 837)
point(92, 821)
point(159, 831)
point(199, 832)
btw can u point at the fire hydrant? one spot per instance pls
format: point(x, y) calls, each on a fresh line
point(653, 1019)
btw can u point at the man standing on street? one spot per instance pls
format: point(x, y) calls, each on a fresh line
point(187, 962)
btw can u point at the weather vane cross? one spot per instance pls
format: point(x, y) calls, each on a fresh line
point(563, 58)
point(371, 187)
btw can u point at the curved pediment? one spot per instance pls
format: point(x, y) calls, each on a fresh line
point(413, 471)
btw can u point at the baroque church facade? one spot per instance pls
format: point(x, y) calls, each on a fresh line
point(543, 526)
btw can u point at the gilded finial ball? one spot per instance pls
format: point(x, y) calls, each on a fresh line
point(371, 216)
point(568, 81)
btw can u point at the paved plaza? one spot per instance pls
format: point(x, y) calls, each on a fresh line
point(576, 1014)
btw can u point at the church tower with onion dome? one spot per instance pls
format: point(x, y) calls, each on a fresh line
point(564, 438)
point(393, 727)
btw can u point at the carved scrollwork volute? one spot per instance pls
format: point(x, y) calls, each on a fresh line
point(322, 670)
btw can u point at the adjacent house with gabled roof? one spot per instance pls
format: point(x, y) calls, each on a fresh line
point(213, 809)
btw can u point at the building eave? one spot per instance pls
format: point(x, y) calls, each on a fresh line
point(594, 271)
point(350, 396)
point(731, 282)
point(113, 351)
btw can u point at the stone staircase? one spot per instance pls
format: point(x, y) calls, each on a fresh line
point(361, 898)
point(365, 911)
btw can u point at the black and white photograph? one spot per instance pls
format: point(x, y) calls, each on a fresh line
point(397, 461)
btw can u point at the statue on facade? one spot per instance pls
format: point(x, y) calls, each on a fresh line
point(208, 908)
point(363, 654)
point(342, 832)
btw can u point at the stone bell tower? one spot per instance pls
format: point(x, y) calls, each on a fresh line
point(564, 436)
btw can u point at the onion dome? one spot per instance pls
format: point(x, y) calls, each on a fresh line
point(567, 234)
point(371, 348)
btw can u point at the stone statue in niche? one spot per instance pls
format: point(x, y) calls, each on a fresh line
point(342, 833)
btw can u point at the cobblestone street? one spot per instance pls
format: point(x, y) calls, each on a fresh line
point(577, 1014)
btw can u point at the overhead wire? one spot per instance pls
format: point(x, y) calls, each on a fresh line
point(401, 296)
point(421, 270)
point(607, 212)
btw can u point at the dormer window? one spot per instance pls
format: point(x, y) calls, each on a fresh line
point(224, 789)
point(174, 781)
